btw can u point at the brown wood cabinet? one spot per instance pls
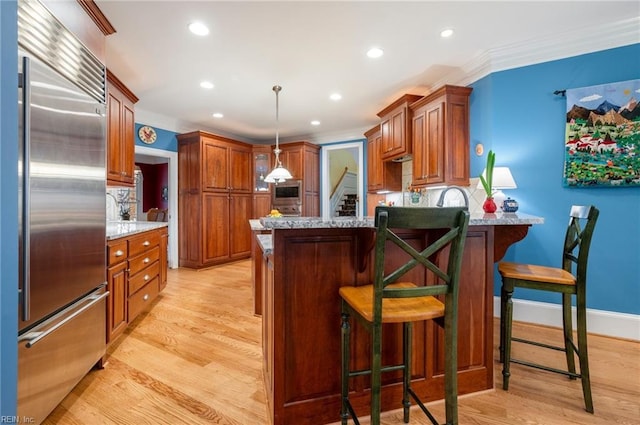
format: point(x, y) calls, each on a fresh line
point(120, 132)
point(440, 132)
point(298, 313)
point(262, 165)
point(395, 128)
point(136, 273)
point(302, 159)
point(214, 199)
point(381, 175)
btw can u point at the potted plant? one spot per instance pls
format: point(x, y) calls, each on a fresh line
point(489, 205)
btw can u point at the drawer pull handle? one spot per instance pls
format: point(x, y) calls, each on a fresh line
point(146, 260)
point(146, 243)
point(146, 277)
point(119, 253)
point(146, 297)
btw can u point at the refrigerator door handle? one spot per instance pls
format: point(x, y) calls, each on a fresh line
point(32, 338)
point(25, 83)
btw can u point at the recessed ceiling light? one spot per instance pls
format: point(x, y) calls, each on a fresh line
point(198, 28)
point(218, 115)
point(446, 33)
point(375, 52)
point(315, 122)
point(207, 85)
point(335, 96)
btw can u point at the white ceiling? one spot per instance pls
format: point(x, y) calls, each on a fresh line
point(313, 49)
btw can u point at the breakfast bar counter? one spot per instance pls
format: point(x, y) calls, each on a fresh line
point(302, 262)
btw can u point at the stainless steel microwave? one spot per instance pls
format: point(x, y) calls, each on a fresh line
point(286, 197)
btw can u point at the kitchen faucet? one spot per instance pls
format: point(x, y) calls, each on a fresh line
point(440, 202)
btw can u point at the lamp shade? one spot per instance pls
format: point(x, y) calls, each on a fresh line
point(502, 178)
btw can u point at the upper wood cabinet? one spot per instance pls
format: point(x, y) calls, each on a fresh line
point(395, 127)
point(120, 132)
point(440, 132)
point(302, 159)
point(381, 175)
point(214, 163)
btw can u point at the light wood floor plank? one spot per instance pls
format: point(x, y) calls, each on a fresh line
point(196, 358)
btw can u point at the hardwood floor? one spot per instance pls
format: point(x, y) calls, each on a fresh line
point(196, 358)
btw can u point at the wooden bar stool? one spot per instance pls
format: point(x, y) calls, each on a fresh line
point(570, 279)
point(389, 300)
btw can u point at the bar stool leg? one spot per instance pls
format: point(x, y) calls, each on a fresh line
point(583, 353)
point(376, 367)
point(568, 333)
point(507, 312)
point(346, 331)
point(407, 332)
point(503, 307)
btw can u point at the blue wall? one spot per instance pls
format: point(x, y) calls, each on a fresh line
point(516, 114)
point(9, 210)
point(166, 139)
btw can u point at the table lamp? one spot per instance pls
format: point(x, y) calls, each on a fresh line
point(502, 179)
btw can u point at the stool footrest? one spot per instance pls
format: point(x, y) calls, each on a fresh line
point(422, 406)
point(547, 368)
point(368, 371)
point(538, 344)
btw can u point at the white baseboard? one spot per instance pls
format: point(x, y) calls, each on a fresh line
point(618, 325)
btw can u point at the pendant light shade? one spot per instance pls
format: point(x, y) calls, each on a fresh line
point(279, 174)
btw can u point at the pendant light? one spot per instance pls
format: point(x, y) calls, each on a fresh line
point(279, 174)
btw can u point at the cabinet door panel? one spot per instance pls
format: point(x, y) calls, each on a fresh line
point(117, 302)
point(240, 231)
point(457, 168)
point(292, 161)
point(215, 222)
point(128, 142)
point(215, 171)
point(434, 141)
point(114, 123)
point(261, 205)
point(240, 169)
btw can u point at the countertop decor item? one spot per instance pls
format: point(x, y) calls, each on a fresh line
point(509, 205)
point(486, 179)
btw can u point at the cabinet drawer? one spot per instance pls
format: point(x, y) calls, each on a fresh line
point(143, 298)
point(138, 280)
point(143, 242)
point(137, 264)
point(117, 251)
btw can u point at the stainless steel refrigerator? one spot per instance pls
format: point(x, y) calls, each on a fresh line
point(62, 286)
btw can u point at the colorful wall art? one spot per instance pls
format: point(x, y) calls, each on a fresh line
point(602, 138)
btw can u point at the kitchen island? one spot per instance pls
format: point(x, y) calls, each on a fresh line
point(305, 261)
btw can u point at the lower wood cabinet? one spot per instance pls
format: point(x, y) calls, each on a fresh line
point(136, 273)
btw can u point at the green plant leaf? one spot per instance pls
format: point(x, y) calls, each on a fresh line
point(487, 182)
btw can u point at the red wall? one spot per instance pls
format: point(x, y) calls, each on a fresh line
point(155, 178)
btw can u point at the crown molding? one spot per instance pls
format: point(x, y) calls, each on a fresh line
point(545, 49)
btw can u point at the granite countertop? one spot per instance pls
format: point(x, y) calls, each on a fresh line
point(119, 229)
point(266, 223)
point(266, 240)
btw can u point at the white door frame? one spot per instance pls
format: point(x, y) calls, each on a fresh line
point(173, 197)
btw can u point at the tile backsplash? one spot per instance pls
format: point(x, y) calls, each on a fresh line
point(429, 197)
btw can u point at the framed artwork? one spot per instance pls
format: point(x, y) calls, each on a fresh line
point(602, 136)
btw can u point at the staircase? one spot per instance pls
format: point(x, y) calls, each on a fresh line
point(347, 206)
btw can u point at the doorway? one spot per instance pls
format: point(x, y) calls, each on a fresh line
point(152, 156)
